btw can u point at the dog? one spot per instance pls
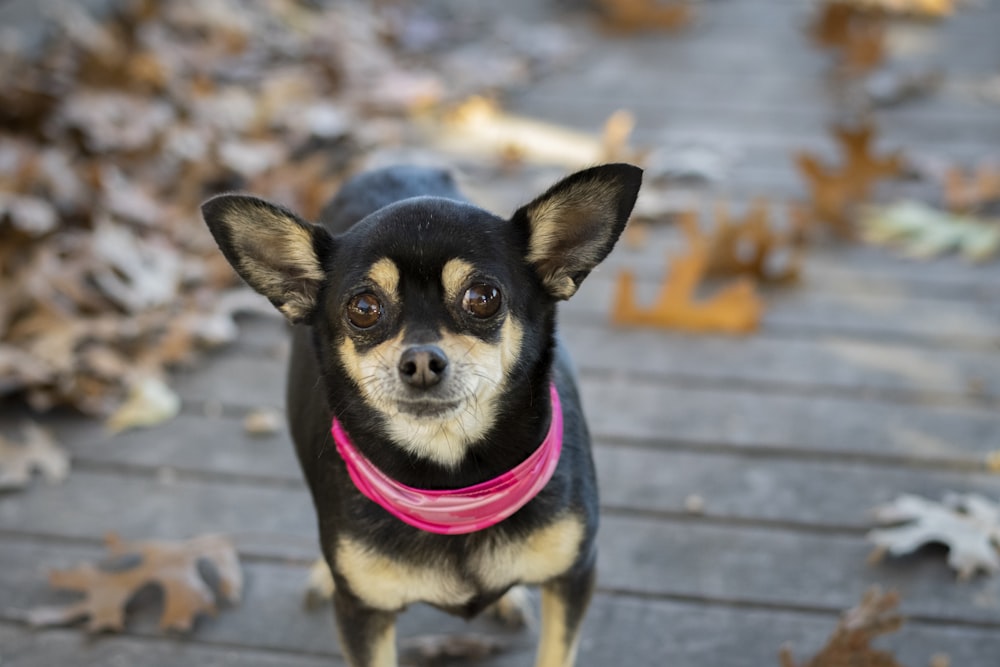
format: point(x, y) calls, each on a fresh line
point(434, 412)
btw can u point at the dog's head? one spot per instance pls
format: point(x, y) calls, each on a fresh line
point(431, 308)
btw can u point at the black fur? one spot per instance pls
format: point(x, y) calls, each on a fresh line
point(418, 219)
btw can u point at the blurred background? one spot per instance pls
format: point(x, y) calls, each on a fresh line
point(801, 323)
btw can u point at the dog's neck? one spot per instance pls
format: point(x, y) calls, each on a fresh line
point(462, 510)
point(520, 425)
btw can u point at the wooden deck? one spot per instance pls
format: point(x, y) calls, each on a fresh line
point(877, 376)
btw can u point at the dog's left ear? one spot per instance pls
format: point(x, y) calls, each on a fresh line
point(571, 228)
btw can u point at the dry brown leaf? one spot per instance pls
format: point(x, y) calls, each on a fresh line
point(36, 451)
point(834, 193)
point(965, 193)
point(858, 37)
point(430, 650)
point(850, 643)
point(752, 247)
point(635, 15)
point(173, 566)
point(921, 8)
point(736, 308)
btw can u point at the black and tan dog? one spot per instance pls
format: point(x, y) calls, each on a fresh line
point(426, 339)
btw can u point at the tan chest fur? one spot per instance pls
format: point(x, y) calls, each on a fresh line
point(386, 583)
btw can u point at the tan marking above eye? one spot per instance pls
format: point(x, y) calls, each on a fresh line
point(385, 274)
point(453, 277)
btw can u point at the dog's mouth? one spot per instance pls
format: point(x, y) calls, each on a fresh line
point(428, 408)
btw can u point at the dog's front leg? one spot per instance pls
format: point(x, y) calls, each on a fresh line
point(367, 636)
point(564, 602)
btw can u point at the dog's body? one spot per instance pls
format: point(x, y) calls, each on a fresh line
point(427, 328)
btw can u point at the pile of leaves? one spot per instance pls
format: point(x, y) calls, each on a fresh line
point(116, 131)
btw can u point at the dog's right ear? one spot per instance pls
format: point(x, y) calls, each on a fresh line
point(274, 251)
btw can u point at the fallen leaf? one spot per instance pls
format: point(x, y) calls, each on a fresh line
point(263, 421)
point(635, 15)
point(480, 127)
point(752, 247)
point(150, 401)
point(36, 451)
point(836, 192)
point(965, 193)
point(850, 643)
point(922, 8)
point(736, 308)
point(857, 37)
point(968, 524)
point(173, 566)
point(993, 461)
point(432, 650)
point(922, 232)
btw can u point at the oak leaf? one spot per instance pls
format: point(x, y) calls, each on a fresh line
point(836, 191)
point(968, 524)
point(967, 192)
point(635, 15)
point(173, 566)
point(850, 643)
point(37, 451)
point(922, 232)
point(751, 246)
point(735, 308)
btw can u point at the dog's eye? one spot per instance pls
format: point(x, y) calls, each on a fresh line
point(481, 300)
point(364, 310)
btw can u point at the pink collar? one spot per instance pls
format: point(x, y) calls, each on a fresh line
point(457, 511)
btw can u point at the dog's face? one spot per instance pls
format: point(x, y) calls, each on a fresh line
point(427, 315)
point(432, 308)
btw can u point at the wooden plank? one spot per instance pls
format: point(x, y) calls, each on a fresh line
point(803, 311)
point(667, 556)
point(733, 484)
point(816, 494)
point(618, 629)
point(20, 647)
point(826, 362)
point(772, 567)
point(632, 408)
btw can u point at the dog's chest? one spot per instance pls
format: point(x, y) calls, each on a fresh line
point(389, 583)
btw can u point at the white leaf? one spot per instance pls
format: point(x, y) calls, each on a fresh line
point(968, 524)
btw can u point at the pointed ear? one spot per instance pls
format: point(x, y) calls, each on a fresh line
point(273, 250)
point(571, 228)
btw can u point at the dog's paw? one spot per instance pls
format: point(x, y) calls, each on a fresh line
point(319, 586)
point(514, 609)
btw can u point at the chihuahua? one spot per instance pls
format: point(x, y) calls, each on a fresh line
point(434, 412)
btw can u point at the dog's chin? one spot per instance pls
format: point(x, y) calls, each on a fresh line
point(428, 408)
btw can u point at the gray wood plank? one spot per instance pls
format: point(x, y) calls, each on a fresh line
point(666, 556)
point(687, 412)
point(779, 567)
point(804, 312)
point(824, 362)
point(618, 629)
point(20, 647)
point(735, 485)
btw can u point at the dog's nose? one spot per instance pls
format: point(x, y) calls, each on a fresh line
point(422, 366)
